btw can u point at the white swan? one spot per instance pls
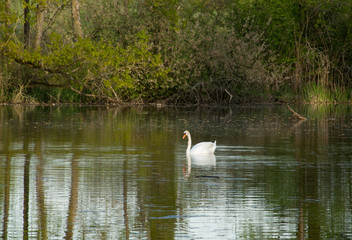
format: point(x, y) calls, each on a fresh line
point(199, 148)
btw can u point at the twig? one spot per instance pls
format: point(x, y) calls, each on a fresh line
point(92, 95)
point(116, 97)
point(51, 21)
point(296, 114)
point(228, 94)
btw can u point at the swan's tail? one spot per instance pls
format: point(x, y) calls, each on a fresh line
point(212, 149)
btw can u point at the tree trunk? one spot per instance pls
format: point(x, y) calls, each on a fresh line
point(41, 7)
point(77, 27)
point(7, 15)
point(26, 29)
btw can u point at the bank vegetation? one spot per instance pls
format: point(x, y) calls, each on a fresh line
point(174, 51)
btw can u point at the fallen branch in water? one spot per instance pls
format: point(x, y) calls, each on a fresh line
point(296, 114)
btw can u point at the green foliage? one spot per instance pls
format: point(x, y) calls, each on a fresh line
point(110, 72)
point(196, 51)
point(101, 70)
point(313, 36)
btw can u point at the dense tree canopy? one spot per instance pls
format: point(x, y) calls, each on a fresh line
point(197, 51)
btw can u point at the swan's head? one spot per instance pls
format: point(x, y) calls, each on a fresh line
point(185, 133)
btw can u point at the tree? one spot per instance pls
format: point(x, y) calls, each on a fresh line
point(77, 27)
point(26, 26)
point(7, 14)
point(41, 8)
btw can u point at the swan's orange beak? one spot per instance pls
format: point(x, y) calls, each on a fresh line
point(184, 135)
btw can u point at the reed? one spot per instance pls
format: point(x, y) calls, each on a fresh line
point(313, 93)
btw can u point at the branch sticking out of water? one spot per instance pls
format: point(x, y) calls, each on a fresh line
point(296, 114)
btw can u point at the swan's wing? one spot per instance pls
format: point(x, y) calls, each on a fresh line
point(203, 147)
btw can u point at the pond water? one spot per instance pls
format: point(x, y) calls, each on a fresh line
point(95, 172)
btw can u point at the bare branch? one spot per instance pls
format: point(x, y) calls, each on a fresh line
point(296, 114)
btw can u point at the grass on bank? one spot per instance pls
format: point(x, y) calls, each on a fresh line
point(318, 94)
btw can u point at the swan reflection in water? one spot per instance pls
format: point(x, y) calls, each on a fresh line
point(206, 160)
point(201, 160)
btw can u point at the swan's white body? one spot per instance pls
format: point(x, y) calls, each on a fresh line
point(199, 148)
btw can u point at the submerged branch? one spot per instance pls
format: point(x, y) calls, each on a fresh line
point(296, 114)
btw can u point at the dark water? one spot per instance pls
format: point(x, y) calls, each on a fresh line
point(122, 173)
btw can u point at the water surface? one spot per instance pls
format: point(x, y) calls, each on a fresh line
point(93, 172)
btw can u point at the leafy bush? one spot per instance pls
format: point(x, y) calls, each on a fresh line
point(211, 56)
point(97, 70)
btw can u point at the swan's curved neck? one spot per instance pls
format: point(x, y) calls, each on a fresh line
point(189, 144)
